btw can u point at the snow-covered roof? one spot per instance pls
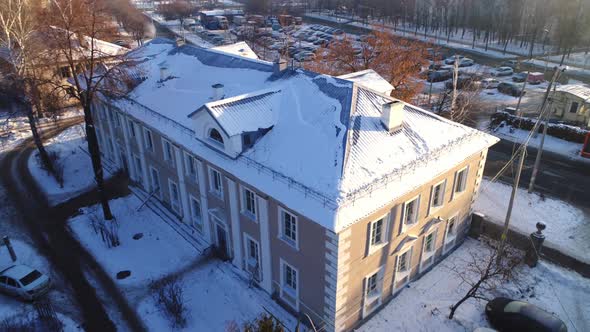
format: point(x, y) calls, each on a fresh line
point(239, 48)
point(578, 90)
point(326, 150)
point(245, 113)
point(369, 79)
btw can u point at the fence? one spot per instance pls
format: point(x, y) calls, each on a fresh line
point(480, 225)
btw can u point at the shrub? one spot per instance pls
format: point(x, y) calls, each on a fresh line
point(264, 323)
point(559, 130)
point(168, 293)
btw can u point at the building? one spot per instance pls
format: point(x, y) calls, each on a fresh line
point(54, 69)
point(332, 196)
point(571, 103)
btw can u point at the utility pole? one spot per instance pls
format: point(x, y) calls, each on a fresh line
point(511, 204)
point(556, 73)
point(517, 112)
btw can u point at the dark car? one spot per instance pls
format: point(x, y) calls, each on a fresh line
point(439, 76)
point(510, 89)
point(520, 77)
point(506, 315)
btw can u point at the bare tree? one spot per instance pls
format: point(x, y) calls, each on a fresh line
point(18, 25)
point(484, 274)
point(74, 30)
point(397, 59)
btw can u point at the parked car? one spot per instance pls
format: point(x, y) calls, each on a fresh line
point(24, 282)
point(536, 78)
point(439, 76)
point(505, 314)
point(489, 83)
point(502, 71)
point(520, 77)
point(510, 63)
point(511, 89)
point(451, 60)
point(463, 61)
point(464, 82)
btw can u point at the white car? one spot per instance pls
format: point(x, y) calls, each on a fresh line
point(489, 83)
point(24, 282)
point(502, 71)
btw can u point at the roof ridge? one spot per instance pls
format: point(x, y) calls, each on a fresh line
point(249, 95)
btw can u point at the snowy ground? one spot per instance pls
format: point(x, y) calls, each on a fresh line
point(568, 228)
point(77, 169)
point(424, 304)
point(556, 145)
point(213, 291)
point(15, 128)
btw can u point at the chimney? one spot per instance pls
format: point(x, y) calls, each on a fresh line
point(392, 115)
point(279, 66)
point(217, 91)
point(164, 73)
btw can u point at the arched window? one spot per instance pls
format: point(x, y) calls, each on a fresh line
point(215, 135)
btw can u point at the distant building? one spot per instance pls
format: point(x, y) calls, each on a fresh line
point(239, 48)
point(571, 103)
point(329, 194)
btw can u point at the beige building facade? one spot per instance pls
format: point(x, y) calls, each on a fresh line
point(337, 267)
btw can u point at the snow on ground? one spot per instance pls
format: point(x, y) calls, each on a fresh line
point(77, 169)
point(213, 291)
point(424, 304)
point(153, 256)
point(216, 296)
point(568, 229)
point(556, 145)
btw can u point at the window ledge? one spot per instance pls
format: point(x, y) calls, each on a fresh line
point(216, 194)
point(289, 291)
point(290, 242)
point(250, 215)
point(376, 247)
point(374, 297)
point(400, 275)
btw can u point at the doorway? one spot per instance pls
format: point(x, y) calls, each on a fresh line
point(221, 237)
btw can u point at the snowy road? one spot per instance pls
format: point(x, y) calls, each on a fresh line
point(559, 176)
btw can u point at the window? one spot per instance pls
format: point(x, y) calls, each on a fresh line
point(131, 128)
point(65, 72)
point(377, 232)
point(168, 152)
point(372, 288)
point(155, 182)
point(451, 233)
point(288, 228)
point(289, 278)
point(438, 195)
point(429, 242)
point(574, 107)
point(461, 180)
point(215, 185)
point(216, 136)
point(174, 197)
point(252, 256)
point(196, 215)
point(190, 166)
point(249, 203)
point(116, 119)
point(410, 216)
point(149, 141)
point(451, 226)
point(138, 169)
point(403, 261)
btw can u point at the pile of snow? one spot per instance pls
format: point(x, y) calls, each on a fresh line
point(77, 166)
point(568, 229)
point(424, 304)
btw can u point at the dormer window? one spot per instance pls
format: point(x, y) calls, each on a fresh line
point(215, 135)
